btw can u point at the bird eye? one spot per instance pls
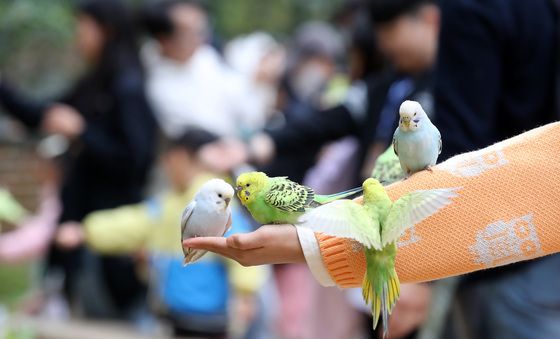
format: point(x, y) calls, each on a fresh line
point(414, 114)
point(248, 185)
point(220, 195)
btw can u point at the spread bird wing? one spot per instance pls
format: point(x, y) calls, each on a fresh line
point(413, 208)
point(345, 219)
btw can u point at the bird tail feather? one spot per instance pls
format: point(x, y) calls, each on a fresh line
point(348, 194)
point(192, 255)
point(381, 303)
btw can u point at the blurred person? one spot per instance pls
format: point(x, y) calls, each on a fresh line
point(188, 82)
point(354, 23)
point(311, 81)
point(258, 56)
point(315, 52)
point(194, 298)
point(110, 125)
point(28, 244)
point(31, 238)
point(497, 76)
point(337, 159)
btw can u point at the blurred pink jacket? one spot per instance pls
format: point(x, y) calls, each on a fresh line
point(32, 237)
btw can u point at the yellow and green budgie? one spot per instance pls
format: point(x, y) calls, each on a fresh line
point(278, 200)
point(377, 225)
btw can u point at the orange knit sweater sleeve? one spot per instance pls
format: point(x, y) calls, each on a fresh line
point(508, 210)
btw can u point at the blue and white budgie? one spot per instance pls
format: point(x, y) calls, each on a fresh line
point(417, 142)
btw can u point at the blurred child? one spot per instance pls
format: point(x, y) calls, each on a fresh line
point(24, 243)
point(193, 298)
point(30, 235)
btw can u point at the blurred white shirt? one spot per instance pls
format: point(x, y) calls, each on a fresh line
point(203, 92)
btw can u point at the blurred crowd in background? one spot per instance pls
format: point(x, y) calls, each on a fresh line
point(156, 97)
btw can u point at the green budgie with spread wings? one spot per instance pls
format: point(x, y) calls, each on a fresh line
point(279, 200)
point(388, 168)
point(377, 225)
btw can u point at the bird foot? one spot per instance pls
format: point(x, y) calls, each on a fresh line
point(429, 169)
point(408, 174)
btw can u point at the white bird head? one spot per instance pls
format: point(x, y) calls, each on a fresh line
point(216, 191)
point(412, 116)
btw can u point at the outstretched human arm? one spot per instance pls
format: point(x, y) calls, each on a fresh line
point(505, 212)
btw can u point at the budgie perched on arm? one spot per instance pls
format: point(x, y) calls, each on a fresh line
point(416, 141)
point(377, 225)
point(278, 200)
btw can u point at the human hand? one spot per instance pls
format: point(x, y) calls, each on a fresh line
point(223, 155)
point(270, 244)
point(262, 148)
point(69, 235)
point(411, 310)
point(271, 66)
point(64, 120)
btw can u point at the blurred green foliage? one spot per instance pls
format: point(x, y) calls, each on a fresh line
point(36, 43)
point(16, 283)
point(36, 47)
point(278, 17)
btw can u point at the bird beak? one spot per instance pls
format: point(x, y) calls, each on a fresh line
point(227, 200)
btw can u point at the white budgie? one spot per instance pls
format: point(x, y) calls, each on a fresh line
point(209, 214)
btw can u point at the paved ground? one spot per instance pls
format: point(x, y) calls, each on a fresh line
point(81, 329)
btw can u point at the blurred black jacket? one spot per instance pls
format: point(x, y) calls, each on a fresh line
point(495, 76)
point(108, 164)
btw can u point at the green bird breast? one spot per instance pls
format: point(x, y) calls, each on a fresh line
point(265, 214)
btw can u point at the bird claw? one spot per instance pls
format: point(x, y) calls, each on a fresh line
point(429, 169)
